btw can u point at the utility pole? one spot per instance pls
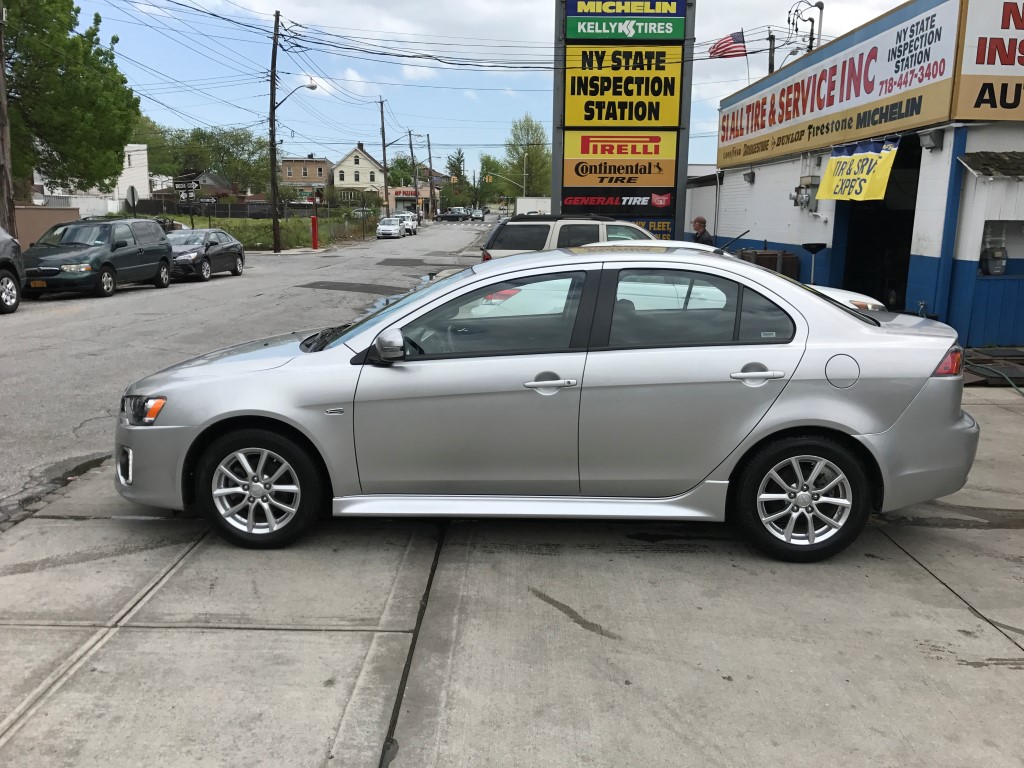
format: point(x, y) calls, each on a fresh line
point(415, 176)
point(384, 157)
point(771, 51)
point(273, 135)
point(7, 211)
point(430, 175)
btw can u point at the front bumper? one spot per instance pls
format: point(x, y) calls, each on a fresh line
point(184, 268)
point(148, 463)
point(930, 449)
point(79, 282)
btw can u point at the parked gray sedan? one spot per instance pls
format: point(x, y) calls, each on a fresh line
point(675, 385)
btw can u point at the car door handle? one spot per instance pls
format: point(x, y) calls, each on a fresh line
point(744, 375)
point(550, 384)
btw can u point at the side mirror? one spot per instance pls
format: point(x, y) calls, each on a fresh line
point(31, 244)
point(120, 244)
point(389, 347)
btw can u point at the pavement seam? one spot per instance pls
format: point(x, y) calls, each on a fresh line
point(389, 748)
point(55, 680)
point(997, 626)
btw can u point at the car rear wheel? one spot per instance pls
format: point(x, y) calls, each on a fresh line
point(163, 275)
point(205, 270)
point(239, 266)
point(803, 499)
point(107, 284)
point(10, 292)
point(258, 489)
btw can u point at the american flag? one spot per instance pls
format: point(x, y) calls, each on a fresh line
point(729, 47)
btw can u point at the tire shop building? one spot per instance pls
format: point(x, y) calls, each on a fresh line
point(899, 150)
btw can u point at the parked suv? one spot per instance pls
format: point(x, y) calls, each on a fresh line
point(97, 256)
point(12, 273)
point(520, 234)
point(410, 220)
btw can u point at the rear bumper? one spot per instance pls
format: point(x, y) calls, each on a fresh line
point(930, 449)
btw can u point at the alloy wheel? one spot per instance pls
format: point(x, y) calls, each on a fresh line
point(804, 500)
point(8, 291)
point(255, 490)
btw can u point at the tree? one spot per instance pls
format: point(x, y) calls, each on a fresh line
point(241, 157)
point(456, 164)
point(71, 110)
point(528, 150)
point(399, 170)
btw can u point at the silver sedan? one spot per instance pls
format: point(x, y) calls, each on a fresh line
point(675, 385)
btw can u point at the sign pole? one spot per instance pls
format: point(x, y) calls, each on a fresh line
point(557, 114)
point(683, 152)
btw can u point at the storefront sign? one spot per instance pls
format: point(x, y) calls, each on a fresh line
point(607, 158)
point(610, 86)
point(663, 229)
point(620, 8)
point(990, 85)
point(858, 171)
point(639, 203)
point(892, 74)
point(582, 28)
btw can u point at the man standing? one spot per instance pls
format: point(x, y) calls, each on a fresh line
point(700, 231)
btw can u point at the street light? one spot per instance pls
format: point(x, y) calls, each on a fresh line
point(273, 154)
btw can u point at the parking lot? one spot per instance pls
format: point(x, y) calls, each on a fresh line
point(134, 636)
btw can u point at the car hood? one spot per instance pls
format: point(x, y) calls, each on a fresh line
point(259, 355)
point(54, 257)
point(186, 248)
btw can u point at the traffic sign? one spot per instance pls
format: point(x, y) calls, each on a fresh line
point(186, 185)
point(133, 196)
point(208, 200)
point(183, 196)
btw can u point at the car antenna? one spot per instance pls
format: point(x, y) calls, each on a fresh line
point(741, 234)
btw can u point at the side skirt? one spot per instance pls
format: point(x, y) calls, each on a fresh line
point(706, 503)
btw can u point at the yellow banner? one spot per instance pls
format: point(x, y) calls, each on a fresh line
point(623, 86)
point(858, 172)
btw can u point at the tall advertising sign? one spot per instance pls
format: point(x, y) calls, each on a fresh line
point(892, 74)
point(990, 85)
point(623, 98)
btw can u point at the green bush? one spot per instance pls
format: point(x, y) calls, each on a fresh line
point(257, 234)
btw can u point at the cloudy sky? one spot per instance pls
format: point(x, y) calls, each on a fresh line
point(460, 72)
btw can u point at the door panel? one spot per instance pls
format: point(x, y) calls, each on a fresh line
point(655, 422)
point(470, 426)
point(127, 261)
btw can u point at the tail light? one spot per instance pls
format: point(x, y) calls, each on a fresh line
point(486, 256)
point(952, 364)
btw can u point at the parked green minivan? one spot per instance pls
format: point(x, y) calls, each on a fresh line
point(97, 256)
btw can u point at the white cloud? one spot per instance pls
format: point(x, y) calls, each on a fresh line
point(152, 10)
point(471, 95)
point(355, 82)
point(418, 73)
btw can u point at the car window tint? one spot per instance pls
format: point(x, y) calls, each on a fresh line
point(159, 235)
point(524, 315)
point(670, 307)
point(143, 234)
point(762, 321)
point(123, 232)
point(213, 239)
point(573, 235)
point(622, 232)
point(521, 237)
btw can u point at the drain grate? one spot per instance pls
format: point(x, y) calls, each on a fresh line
point(401, 263)
point(381, 290)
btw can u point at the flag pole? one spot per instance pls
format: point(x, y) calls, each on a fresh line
point(746, 55)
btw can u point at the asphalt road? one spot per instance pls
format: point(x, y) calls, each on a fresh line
point(66, 359)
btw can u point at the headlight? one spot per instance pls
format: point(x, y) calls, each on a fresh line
point(142, 409)
point(191, 256)
point(76, 267)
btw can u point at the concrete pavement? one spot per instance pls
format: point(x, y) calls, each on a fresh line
point(133, 636)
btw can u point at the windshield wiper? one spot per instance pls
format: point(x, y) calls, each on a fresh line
point(309, 341)
point(48, 245)
point(327, 335)
point(74, 242)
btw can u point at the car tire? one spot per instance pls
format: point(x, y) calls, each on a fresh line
point(237, 513)
point(205, 270)
point(10, 292)
point(107, 285)
point(163, 275)
point(239, 266)
point(774, 515)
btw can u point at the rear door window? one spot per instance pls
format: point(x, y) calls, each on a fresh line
point(762, 322)
point(574, 235)
point(143, 234)
point(521, 237)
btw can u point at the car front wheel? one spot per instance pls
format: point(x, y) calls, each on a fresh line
point(10, 292)
point(803, 499)
point(258, 488)
point(107, 283)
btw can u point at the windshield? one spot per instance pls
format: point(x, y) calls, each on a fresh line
point(85, 233)
point(185, 238)
point(437, 286)
point(389, 222)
